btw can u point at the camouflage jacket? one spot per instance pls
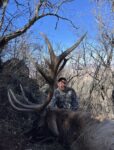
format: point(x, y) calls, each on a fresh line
point(64, 99)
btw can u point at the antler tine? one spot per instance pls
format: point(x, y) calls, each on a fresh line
point(62, 56)
point(50, 48)
point(62, 66)
point(20, 103)
point(14, 106)
point(26, 107)
point(23, 94)
point(69, 50)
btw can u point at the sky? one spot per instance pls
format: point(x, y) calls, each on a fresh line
point(82, 14)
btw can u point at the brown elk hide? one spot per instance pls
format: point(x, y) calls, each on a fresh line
point(81, 131)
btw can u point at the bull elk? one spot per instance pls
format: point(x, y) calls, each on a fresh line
point(79, 129)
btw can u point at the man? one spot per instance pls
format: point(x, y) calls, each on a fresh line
point(64, 97)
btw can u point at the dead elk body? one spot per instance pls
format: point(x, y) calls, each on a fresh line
point(79, 129)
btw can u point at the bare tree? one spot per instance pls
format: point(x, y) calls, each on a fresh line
point(32, 12)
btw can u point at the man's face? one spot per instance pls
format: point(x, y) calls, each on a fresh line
point(62, 85)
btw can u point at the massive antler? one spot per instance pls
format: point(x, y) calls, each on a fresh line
point(55, 65)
